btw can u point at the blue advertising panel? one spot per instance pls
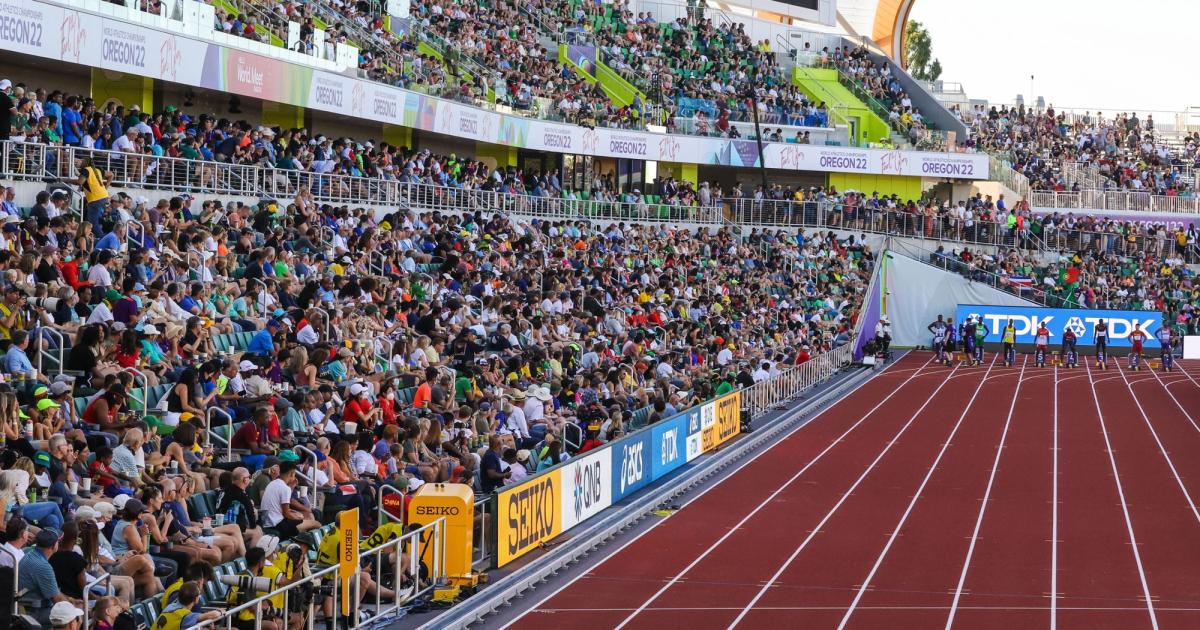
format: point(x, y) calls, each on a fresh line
point(669, 442)
point(631, 469)
point(1082, 321)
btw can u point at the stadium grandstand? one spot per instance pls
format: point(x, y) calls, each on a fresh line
point(425, 313)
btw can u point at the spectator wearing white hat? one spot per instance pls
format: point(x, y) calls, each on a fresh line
point(66, 616)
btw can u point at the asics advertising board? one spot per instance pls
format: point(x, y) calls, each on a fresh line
point(1025, 320)
point(631, 466)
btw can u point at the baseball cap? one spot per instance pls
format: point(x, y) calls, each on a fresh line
point(58, 388)
point(247, 366)
point(414, 484)
point(268, 544)
point(46, 403)
point(64, 613)
point(120, 500)
point(5, 84)
point(86, 513)
point(41, 458)
point(46, 538)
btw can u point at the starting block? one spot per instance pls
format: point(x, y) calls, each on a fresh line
point(1154, 364)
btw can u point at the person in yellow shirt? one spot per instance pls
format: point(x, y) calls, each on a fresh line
point(12, 311)
point(94, 184)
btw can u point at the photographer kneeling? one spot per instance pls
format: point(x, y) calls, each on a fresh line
point(262, 563)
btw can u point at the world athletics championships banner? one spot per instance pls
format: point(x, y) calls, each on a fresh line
point(1081, 321)
point(64, 34)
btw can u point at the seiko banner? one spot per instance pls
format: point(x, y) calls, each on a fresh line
point(1082, 322)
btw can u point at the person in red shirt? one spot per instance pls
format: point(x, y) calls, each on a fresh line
point(358, 409)
point(424, 394)
point(1136, 338)
point(387, 402)
point(253, 436)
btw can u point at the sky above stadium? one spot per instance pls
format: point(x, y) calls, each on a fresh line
point(1083, 54)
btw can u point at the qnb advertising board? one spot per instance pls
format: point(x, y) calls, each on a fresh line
point(546, 505)
point(1082, 322)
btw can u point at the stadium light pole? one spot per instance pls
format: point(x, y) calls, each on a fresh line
point(762, 163)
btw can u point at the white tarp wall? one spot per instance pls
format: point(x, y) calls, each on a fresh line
point(918, 292)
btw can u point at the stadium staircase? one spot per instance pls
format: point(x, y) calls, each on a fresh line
point(822, 85)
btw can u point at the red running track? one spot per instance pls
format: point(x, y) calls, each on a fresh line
point(933, 497)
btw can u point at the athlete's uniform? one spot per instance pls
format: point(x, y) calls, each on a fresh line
point(1042, 341)
point(1163, 334)
point(1101, 336)
point(1136, 339)
point(1010, 339)
point(1067, 354)
point(980, 335)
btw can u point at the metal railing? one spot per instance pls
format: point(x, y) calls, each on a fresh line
point(227, 440)
point(255, 605)
point(765, 395)
point(57, 353)
point(483, 553)
point(105, 578)
point(1115, 200)
point(144, 398)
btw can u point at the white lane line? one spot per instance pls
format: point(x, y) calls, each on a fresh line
point(1162, 449)
point(916, 497)
point(888, 447)
point(987, 494)
point(615, 551)
point(1112, 460)
point(695, 561)
point(1054, 519)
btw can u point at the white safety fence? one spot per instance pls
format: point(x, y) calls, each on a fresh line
point(765, 395)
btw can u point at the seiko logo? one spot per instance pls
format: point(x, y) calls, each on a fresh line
point(531, 512)
point(437, 510)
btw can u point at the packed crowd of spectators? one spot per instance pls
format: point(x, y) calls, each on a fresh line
point(408, 348)
point(1124, 151)
point(495, 53)
point(1093, 278)
point(716, 78)
point(876, 81)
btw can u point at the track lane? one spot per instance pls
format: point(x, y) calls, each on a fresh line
point(624, 581)
point(1008, 580)
point(1160, 498)
point(825, 576)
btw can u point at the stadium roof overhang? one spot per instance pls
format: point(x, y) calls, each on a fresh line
point(880, 21)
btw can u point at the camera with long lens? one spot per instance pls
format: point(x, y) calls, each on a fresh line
point(247, 586)
point(48, 303)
